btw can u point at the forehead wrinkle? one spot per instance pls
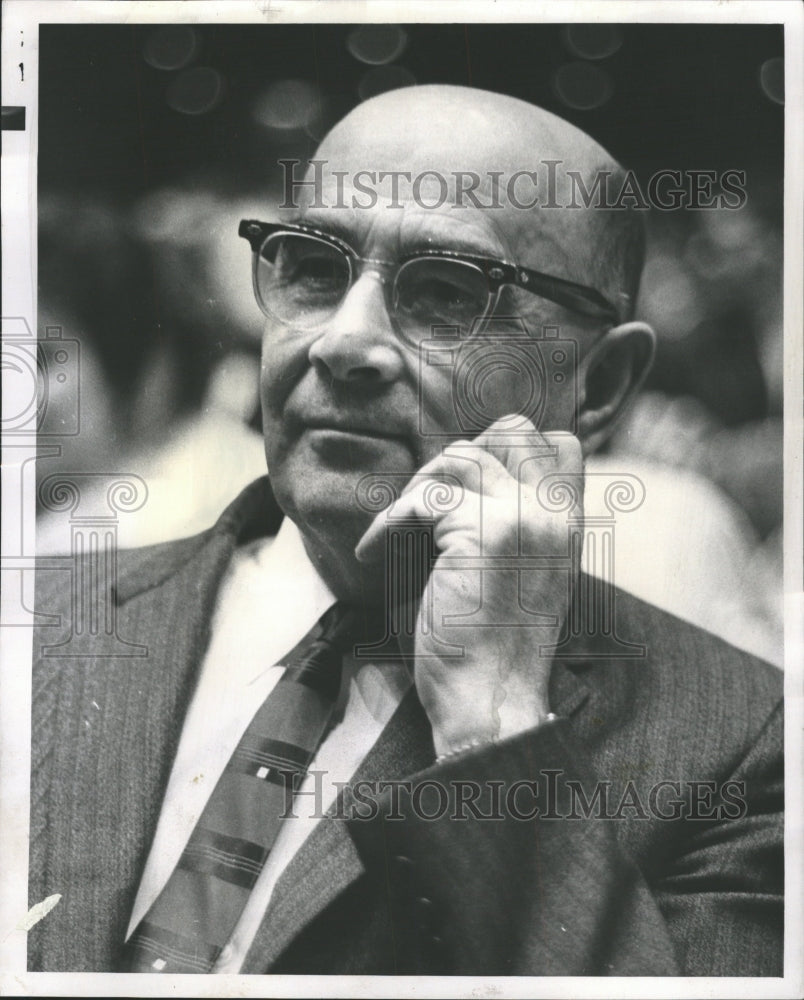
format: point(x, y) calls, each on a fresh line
point(476, 233)
point(357, 227)
point(542, 249)
point(341, 222)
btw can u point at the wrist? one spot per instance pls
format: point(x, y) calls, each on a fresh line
point(478, 742)
point(462, 728)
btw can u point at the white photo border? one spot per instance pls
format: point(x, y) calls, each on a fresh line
point(21, 21)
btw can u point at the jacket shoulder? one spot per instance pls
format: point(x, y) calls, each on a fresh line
point(690, 704)
point(149, 565)
point(690, 652)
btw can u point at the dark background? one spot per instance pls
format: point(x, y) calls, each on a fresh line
point(683, 95)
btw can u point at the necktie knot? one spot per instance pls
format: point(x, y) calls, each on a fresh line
point(317, 663)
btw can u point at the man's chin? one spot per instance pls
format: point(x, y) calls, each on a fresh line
point(337, 487)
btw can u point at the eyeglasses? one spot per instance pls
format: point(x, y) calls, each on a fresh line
point(302, 275)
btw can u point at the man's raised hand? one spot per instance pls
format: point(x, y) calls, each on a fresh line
point(483, 593)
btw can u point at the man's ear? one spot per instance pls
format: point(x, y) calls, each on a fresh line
point(609, 377)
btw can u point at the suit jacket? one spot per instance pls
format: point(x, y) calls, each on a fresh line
point(570, 891)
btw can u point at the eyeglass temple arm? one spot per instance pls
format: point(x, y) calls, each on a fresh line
point(579, 298)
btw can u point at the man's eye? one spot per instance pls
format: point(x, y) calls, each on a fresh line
point(310, 271)
point(442, 292)
point(314, 269)
point(444, 300)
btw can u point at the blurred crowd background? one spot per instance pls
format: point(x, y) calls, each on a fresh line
point(154, 141)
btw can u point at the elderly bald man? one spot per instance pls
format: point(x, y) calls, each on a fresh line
point(517, 773)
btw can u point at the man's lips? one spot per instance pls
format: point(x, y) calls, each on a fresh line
point(360, 428)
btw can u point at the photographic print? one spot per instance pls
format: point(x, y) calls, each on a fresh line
point(401, 554)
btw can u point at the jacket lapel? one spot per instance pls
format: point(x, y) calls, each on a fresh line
point(112, 726)
point(328, 861)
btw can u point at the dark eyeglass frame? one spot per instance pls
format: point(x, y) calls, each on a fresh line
point(580, 299)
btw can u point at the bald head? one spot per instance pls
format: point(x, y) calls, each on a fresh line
point(532, 168)
point(466, 123)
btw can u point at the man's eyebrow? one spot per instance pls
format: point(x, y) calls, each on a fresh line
point(450, 242)
point(422, 239)
point(437, 233)
point(330, 224)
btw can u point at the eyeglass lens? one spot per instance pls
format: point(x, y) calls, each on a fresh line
point(301, 280)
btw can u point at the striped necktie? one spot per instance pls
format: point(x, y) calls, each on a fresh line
point(196, 913)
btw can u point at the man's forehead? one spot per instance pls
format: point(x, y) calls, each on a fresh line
point(465, 168)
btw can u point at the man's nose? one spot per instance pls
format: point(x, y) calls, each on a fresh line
point(358, 344)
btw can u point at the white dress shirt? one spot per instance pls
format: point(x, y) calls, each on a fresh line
point(269, 599)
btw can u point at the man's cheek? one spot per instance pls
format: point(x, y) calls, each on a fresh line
point(464, 390)
point(284, 363)
point(435, 412)
point(471, 389)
